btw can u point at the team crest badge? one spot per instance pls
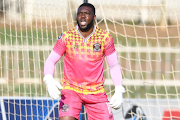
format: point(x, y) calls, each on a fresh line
point(97, 47)
point(65, 108)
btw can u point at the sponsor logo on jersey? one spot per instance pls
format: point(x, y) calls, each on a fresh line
point(97, 47)
point(60, 36)
point(76, 47)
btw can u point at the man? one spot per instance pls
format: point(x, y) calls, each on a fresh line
point(84, 47)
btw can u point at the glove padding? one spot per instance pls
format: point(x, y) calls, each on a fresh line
point(53, 86)
point(117, 99)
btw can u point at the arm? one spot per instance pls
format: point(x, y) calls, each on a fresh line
point(52, 85)
point(115, 70)
point(116, 76)
point(49, 66)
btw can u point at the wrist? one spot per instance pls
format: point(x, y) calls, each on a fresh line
point(48, 78)
point(119, 89)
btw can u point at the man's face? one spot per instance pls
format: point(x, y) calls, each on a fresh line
point(85, 18)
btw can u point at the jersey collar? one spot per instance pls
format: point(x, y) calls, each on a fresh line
point(85, 39)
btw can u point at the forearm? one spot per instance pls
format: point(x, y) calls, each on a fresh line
point(116, 74)
point(50, 63)
point(115, 70)
point(53, 86)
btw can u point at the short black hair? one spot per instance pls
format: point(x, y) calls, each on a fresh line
point(89, 5)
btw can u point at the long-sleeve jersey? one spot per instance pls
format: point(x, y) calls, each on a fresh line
point(84, 59)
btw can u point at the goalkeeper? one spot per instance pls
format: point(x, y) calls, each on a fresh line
point(84, 48)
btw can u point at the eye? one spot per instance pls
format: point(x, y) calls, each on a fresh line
point(79, 13)
point(87, 13)
point(83, 13)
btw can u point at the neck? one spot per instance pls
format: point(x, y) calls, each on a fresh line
point(86, 33)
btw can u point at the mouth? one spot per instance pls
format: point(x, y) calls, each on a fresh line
point(83, 22)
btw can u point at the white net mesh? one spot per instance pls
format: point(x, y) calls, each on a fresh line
point(146, 36)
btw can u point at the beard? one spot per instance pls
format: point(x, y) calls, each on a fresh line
point(88, 27)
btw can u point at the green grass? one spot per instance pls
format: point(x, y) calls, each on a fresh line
point(28, 90)
point(30, 37)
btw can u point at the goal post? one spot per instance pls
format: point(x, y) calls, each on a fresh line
point(146, 36)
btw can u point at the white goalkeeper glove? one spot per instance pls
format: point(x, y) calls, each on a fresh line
point(117, 99)
point(53, 86)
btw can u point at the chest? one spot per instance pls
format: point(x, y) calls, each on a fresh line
point(79, 48)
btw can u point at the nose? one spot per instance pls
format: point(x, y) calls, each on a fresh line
point(83, 15)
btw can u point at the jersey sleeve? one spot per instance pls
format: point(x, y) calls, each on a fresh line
point(60, 46)
point(109, 45)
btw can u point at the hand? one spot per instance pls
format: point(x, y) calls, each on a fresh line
point(53, 86)
point(117, 99)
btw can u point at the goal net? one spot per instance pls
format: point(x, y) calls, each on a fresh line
point(146, 36)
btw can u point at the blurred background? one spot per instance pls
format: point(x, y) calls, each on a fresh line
point(146, 35)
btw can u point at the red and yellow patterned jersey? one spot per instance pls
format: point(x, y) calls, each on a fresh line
point(84, 59)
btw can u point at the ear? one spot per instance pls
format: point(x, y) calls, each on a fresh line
point(94, 17)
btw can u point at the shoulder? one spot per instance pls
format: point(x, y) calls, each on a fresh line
point(65, 34)
point(102, 33)
point(71, 31)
